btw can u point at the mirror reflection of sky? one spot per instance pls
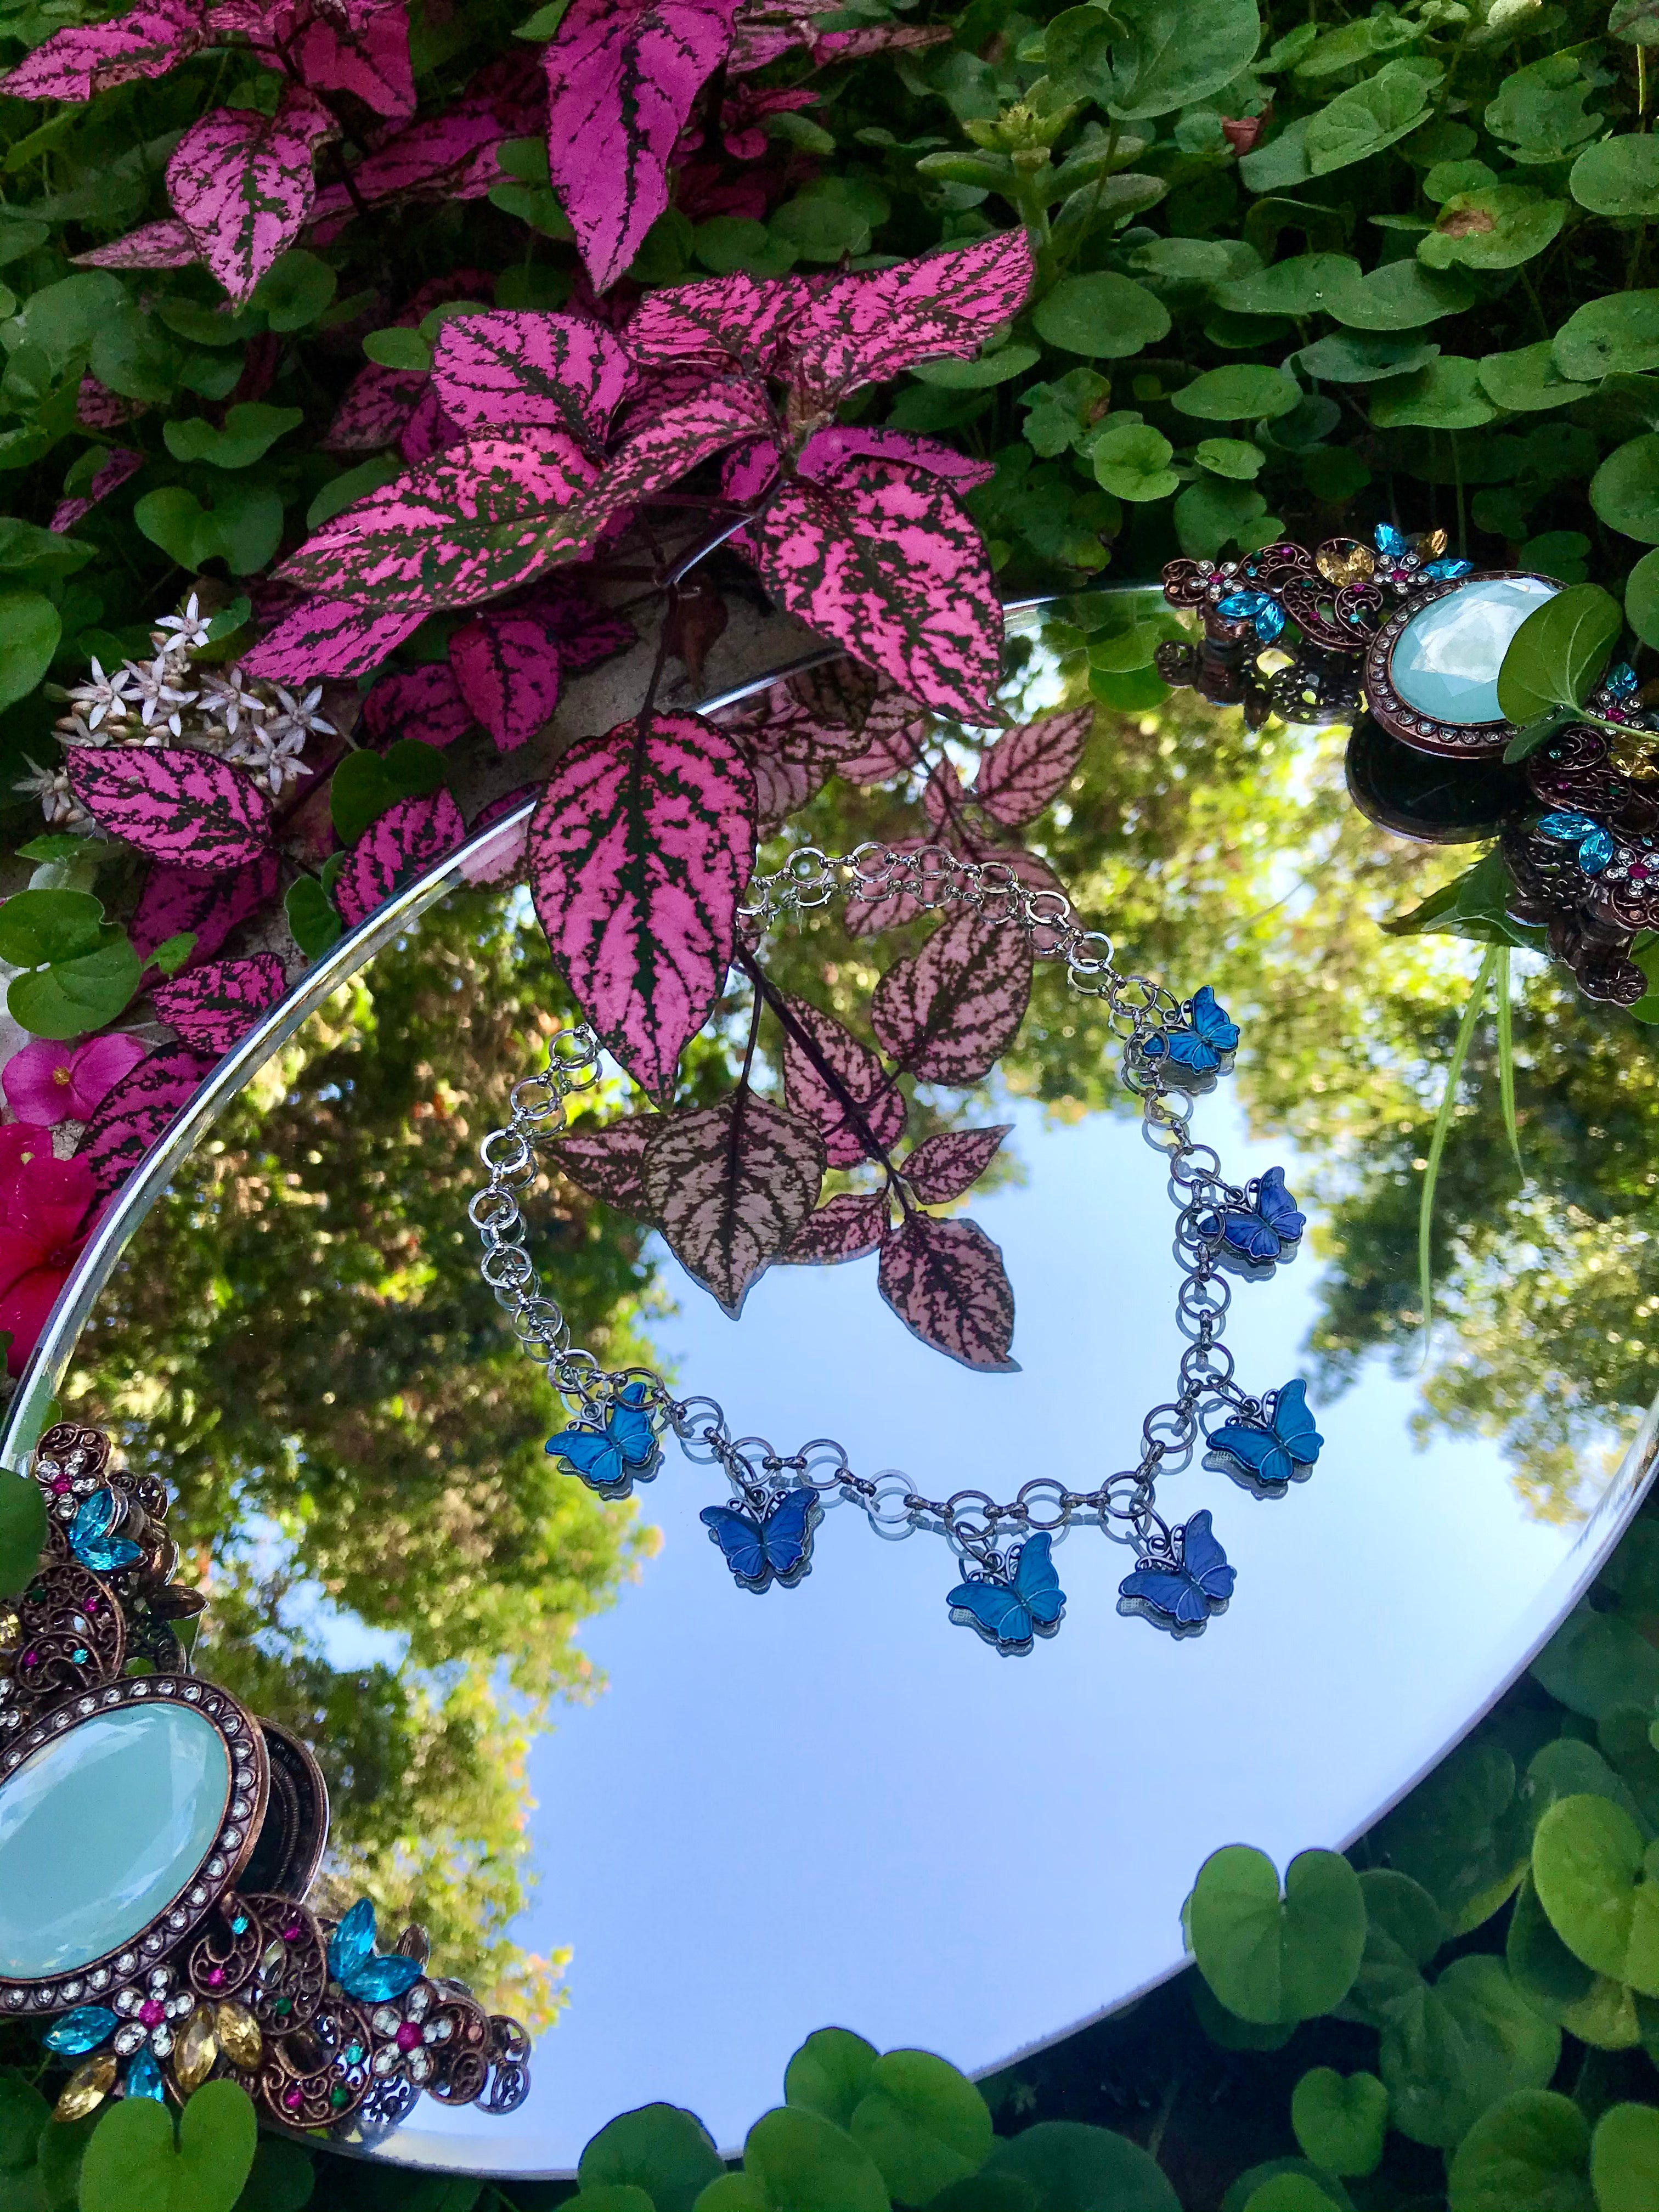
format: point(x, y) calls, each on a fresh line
point(833, 1805)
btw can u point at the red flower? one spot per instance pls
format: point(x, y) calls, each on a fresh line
point(43, 1230)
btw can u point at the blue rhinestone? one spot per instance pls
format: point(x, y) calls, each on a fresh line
point(1269, 622)
point(1622, 681)
point(1596, 852)
point(79, 1655)
point(352, 1943)
point(1446, 572)
point(377, 1980)
point(90, 1542)
point(1565, 829)
point(238, 1925)
point(1241, 606)
point(144, 2077)
point(80, 2030)
point(1387, 539)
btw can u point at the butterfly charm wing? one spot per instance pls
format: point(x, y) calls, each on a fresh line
point(612, 1458)
point(1165, 1590)
point(1184, 1594)
point(1270, 1453)
point(591, 1454)
point(359, 1969)
point(786, 1532)
point(90, 1539)
point(1294, 1425)
point(740, 1538)
point(1278, 1208)
point(1204, 1563)
point(996, 1610)
point(1199, 1044)
point(760, 1550)
point(628, 1427)
point(1037, 1583)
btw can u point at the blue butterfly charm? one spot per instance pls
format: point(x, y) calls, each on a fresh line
point(1266, 1228)
point(1202, 1043)
point(359, 1969)
point(1268, 1455)
point(1595, 845)
point(90, 1539)
point(1009, 1610)
point(1180, 1591)
point(1446, 572)
point(1259, 608)
point(774, 1546)
point(612, 1458)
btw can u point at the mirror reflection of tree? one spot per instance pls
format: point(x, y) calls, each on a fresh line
point(300, 1341)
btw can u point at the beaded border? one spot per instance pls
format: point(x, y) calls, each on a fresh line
point(1424, 732)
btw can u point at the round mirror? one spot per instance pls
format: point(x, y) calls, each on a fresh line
point(675, 1824)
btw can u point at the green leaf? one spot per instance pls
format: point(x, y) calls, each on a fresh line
point(352, 484)
point(1623, 2158)
point(986, 2192)
point(23, 2111)
point(250, 431)
point(803, 2164)
point(1238, 394)
point(63, 2147)
point(1619, 177)
point(924, 2124)
point(171, 954)
point(1165, 55)
point(1557, 656)
point(1211, 514)
point(1444, 395)
point(1365, 358)
point(58, 844)
point(39, 927)
point(1401, 295)
point(1539, 114)
point(977, 375)
point(1618, 334)
point(1304, 285)
point(1559, 1987)
point(1461, 1835)
point(283, 2178)
point(611, 2197)
point(1132, 460)
point(1106, 316)
point(545, 20)
point(1529, 380)
point(133, 2159)
point(1624, 490)
point(295, 291)
point(1236, 458)
point(1362, 120)
point(28, 550)
point(30, 628)
point(1642, 599)
point(73, 997)
point(1498, 227)
point(1075, 2168)
point(1340, 2124)
point(397, 348)
point(1459, 2045)
point(1589, 1863)
point(1270, 1958)
point(659, 2149)
point(1533, 2148)
point(312, 916)
point(732, 2192)
point(1291, 2192)
point(830, 2073)
point(242, 527)
point(23, 1533)
point(1227, 2031)
point(1596, 1661)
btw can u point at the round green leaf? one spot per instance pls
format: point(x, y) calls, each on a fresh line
point(1133, 691)
point(1460, 1835)
point(732, 2192)
point(611, 2197)
point(23, 2111)
point(986, 2192)
point(30, 628)
point(1623, 2158)
point(311, 914)
point(1618, 334)
point(1340, 2124)
point(923, 2122)
point(1529, 380)
point(803, 2164)
point(1642, 599)
point(397, 348)
point(1561, 1988)
point(1075, 2168)
point(1498, 227)
point(1132, 460)
point(659, 2149)
point(73, 997)
point(1532, 2149)
point(1234, 458)
point(1243, 2192)
point(975, 375)
point(1558, 653)
point(830, 2073)
point(1210, 514)
point(1106, 316)
point(38, 927)
point(1366, 357)
point(132, 2159)
point(1304, 285)
point(1619, 177)
point(1588, 1864)
point(1238, 394)
point(1290, 2192)
point(1452, 2049)
point(1227, 2031)
point(1444, 395)
point(1401, 295)
point(1596, 1661)
point(1173, 55)
point(1269, 1958)
point(1365, 118)
point(295, 289)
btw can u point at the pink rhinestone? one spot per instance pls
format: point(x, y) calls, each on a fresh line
point(152, 2012)
point(215, 1976)
point(292, 1932)
point(292, 2098)
point(61, 1485)
point(409, 2036)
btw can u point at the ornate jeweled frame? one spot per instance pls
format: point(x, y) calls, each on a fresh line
point(1424, 732)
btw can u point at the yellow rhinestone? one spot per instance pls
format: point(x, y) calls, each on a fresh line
point(1345, 560)
point(11, 1629)
point(87, 2088)
point(1430, 543)
point(1635, 759)
point(238, 2034)
point(197, 2049)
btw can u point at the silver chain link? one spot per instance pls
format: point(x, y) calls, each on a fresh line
point(976, 1525)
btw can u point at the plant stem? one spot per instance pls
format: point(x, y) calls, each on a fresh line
point(766, 990)
point(1437, 1142)
point(1506, 1057)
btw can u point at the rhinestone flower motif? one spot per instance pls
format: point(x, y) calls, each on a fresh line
point(407, 2034)
point(151, 2013)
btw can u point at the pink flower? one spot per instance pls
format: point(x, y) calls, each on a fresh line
point(43, 1229)
point(49, 1083)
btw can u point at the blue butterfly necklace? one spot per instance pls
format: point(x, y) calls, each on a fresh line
point(1008, 1591)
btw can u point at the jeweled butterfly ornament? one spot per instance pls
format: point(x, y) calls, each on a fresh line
point(92, 1537)
point(1200, 1045)
point(1260, 1230)
point(1009, 1607)
point(361, 1969)
point(771, 1544)
point(1272, 1447)
point(1180, 1584)
point(622, 1450)
point(1593, 848)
